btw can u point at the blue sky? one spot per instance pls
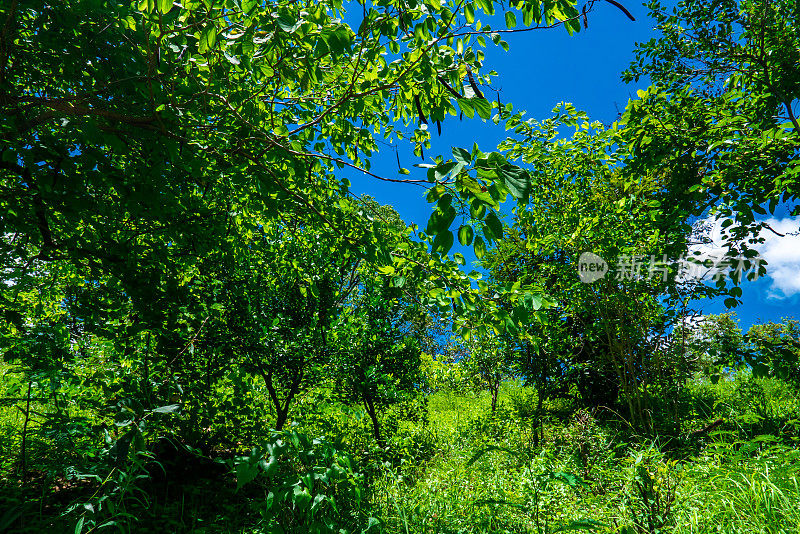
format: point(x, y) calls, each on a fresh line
point(543, 68)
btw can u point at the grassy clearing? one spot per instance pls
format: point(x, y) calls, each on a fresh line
point(731, 485)
point(459, 468)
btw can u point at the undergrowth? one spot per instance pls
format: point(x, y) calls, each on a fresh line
point(450, 466)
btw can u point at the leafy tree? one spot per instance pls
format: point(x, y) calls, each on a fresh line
point(488, 362)
point(716, 343)
point(280, 305)
point(767, 349)
point(720, 121)
point(776, 348)
point(377, 363)
point(611, 332)
point(441, 373)
point(135, 136)
point(688, 148)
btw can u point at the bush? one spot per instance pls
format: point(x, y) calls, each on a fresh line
point(303, 484)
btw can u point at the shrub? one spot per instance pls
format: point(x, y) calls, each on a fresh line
point(304, 484)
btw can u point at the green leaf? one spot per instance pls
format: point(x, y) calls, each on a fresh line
point(147, 5)
point(493, 228)
point(443, 242)
point(164, 5)
point(527, 14)
point(444, 168)
point(517, 181)
point(207, 40)
point(466, 107)
point(246, 472)
point(79, 525)
point(482, 106)
point(372, 523)
point(462, 156)
point(486, 5)
point(532, 301)
point(440, 220)
point(288, 23)
point(465, 235)
point(479, 247)
point(138, 440)
point(167, 409)
point(469, 13)
point(511, 19)
point(477, 210)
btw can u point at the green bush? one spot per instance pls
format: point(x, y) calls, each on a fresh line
point(749, 406)
point(303, 484)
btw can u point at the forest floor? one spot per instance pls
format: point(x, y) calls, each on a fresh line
point(457, 468)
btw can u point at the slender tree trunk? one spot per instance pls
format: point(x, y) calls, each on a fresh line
point(376, 425)
point(495, 392)
point(24, 445)
point(281, 408)
point(539, 429)
point(282, 416)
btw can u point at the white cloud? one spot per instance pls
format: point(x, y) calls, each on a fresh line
point(782, 254)
point(783, 257)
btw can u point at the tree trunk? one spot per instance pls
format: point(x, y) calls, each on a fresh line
point(376, 425)
point(495, 392)
point(282, 416)
point(538, 432)
point(24, 445)
point(281, 408)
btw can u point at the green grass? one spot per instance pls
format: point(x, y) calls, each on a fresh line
point(738, 480)
point(733, 487)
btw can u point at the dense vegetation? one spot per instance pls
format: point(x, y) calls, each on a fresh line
point(204, 329)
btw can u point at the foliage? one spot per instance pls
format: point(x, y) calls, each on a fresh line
point(777, 349)
point(185, 271)
point(629, 484)
point(280, 301)
point(193, 120)
point(720, 119)
point(652, 491)
point(376, 365)
point(610, 335)
point(716, 343)
point(440, 374)
point(305, 484)
point(488, 362)
point(535, 485)
point(767, 349)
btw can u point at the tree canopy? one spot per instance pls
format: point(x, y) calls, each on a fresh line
point(187, 271)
